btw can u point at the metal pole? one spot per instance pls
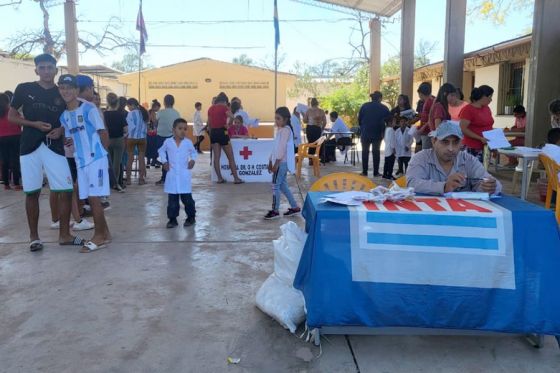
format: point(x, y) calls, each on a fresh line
point(139, 74)
point(275, 77)
point(71, 36)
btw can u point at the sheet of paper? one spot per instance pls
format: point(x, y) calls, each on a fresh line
point(496, 138)
point(301, 108)
point(350, 198)
point(468, 195)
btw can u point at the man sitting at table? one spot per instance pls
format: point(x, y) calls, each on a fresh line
point(342, 137)
point(446, 168)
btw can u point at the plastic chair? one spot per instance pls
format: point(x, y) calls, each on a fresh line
point(401, 181)
point(342, 181)
point(303, 153)
point(552, 170)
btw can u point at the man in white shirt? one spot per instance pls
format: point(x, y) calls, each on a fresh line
point(342, 137)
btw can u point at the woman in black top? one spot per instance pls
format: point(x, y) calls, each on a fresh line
point(115, 120)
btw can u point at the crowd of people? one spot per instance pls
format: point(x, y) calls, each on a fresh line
point(60, 131)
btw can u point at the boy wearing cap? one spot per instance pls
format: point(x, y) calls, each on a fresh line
point(41, 149)
point(445, 168)
point(85, 130)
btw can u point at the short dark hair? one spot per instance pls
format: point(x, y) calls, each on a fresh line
point(425, 88)
point(169, 100)
point(482, 91)
point(177, 121)
point(376, 96)
point(45, 57)
point(239, 118)
point(554, 106)
point(222, 97)
point(553, 136)
point(519, 109)
point(334, 114)
point(197, 104)
point(314, 102)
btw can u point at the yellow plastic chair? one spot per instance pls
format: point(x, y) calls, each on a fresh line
point(401, 181)
point(303, 153)
point(552, 169)
point(342, 182)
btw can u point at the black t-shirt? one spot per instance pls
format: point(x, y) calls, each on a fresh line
point(115, 122)
point(41, 104)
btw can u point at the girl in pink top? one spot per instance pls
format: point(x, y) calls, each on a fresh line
point(456, 104)
point(237, 130)
point(9, 146)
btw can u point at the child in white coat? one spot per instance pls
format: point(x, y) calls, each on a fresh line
point(177, 154)
point(389, 163)
point(282, 159)
point(403, 145)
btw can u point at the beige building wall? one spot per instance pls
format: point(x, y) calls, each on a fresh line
point(201, 80)
point(490, 75)
point(14, 72)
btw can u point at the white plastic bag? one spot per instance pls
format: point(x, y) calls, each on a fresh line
point(277, 296)
point(282, 302)
point(287, 252)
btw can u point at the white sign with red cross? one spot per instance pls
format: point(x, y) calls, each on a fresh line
point(251, 158)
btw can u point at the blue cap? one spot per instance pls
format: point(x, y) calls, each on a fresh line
point(68, 79)
point(447, 128)
point(84, 81)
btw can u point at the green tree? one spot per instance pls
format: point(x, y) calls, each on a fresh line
point(130, 63)
point(497, 10)
point(243, 59)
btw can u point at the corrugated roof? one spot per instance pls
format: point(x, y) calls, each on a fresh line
point(384, 8)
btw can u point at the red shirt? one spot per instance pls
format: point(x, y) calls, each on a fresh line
point(234, 131)
point(217, 116)
point(425, 115)
point(437, 112)
point(8, 128)
point(480, 120)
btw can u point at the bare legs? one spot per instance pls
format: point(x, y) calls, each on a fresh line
point(101, 233)
point(217, 154)
point(60, 207)
point(229, 154)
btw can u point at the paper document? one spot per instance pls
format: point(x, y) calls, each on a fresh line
point(408, 114)
point(301, 108)
point(496, 139)
point(468, 195)
point(351, 198)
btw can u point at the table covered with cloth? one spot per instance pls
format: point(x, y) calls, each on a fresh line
point(432, 263)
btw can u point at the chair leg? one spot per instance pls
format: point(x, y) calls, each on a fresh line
point(514, 181)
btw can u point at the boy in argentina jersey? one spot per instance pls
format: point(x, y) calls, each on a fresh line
point(85, 130)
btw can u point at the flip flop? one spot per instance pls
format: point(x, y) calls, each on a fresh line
point(77, 241)
point(223, 181)
point(36, 245)
point(240, 182)
point(90, 246)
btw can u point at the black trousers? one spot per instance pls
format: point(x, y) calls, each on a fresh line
point(329, 148)
point(9, 154)
point(388, 166)
point(375, 146)
point(313, 134)
point(173, 205)
point(199, 140)
point(403, 164)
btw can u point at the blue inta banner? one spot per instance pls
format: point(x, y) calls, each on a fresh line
point(432, 263)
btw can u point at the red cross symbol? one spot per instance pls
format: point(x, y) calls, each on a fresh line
point(245, 153)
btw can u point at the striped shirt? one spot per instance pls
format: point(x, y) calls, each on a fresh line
point(137, 128)
point(82, 125)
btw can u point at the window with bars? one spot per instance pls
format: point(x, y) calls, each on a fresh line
point(511, 87)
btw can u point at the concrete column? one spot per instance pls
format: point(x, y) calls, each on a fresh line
point(544, 84)
point(71, 36)
point(407, 46)
point(374, 54)
point(455, 15)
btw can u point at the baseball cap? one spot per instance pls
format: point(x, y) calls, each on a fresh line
point(84, 81)
point(447, 128)
point(68, 79)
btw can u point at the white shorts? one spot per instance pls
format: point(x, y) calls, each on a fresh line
point(93, 179)
point(55, 166)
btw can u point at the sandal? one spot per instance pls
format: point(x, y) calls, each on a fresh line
point(77, 241)
point(239, 181)
point(223, 181)
point(36, 245)
point(90, 246)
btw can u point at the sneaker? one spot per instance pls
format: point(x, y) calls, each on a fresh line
point(83, 225)
point(272, 215)
point(292, 211)
point(157, 166)
point(189, 222)
point(55, 225)
point(160, 182)
point(147, 166)
point(106, 205)
point(119, 188)
point(172, 223)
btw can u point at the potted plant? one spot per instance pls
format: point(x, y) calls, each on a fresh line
point(511, 101)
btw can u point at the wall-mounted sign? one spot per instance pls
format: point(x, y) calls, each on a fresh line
point(244, 85)
point(172, 85)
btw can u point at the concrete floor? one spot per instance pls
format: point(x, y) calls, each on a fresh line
point(182, 300)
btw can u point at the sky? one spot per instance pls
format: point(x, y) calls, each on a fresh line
point(318, 34)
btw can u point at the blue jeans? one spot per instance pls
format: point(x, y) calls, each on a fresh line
point(280, 184)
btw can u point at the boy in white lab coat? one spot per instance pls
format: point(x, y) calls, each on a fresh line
point(403, 145)
point(177, 154)
point(389, 140)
